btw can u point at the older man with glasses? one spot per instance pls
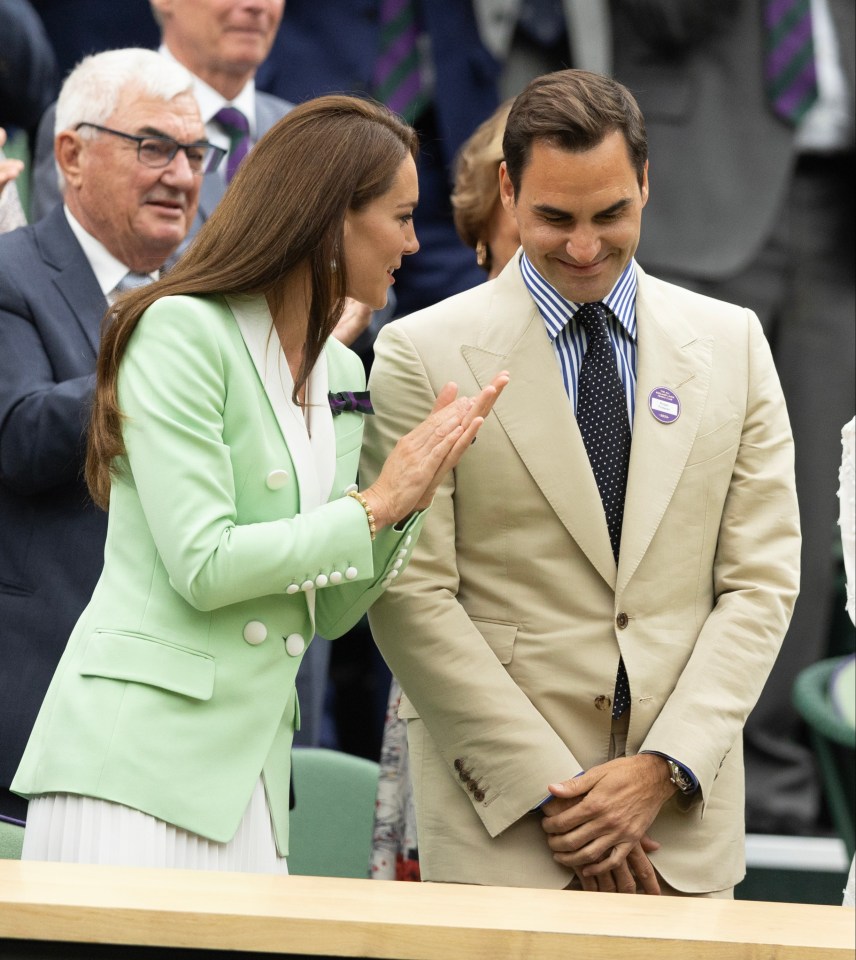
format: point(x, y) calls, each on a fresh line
point(131, 150)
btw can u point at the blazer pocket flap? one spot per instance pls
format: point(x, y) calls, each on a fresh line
point(499, 637)
point(139, 659)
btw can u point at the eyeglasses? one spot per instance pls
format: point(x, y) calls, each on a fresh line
point(159, 150)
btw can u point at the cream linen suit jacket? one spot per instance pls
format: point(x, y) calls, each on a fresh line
point(507, 634)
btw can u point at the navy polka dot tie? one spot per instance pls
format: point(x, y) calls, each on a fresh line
point(605, 428)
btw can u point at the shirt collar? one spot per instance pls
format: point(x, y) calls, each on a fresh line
point(210, 101)
point(107, 269)
point(556, 311)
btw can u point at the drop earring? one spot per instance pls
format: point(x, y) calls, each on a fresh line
point(482, 254)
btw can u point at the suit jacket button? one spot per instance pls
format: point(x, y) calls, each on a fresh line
point(292, 588)
point(294, 644)
point(602, 702)
point(321, 580)
point(464, 775)
point(478, 795)
point(351, 573)
point(459, 764)
point(307, 585)
point(471, 785)
point(276, 479)
point(255, 632)
point(336, 577)
point(622, 620)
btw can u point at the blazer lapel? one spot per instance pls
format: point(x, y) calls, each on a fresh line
point(74, 279)
point(323, 441)
point(256, 326)
point(535, 413)
point(667, 358)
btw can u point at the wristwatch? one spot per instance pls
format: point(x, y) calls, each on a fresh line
point(679, 777)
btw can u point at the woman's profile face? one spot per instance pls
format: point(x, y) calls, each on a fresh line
point(379, 236)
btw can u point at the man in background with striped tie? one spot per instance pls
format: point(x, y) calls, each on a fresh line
point(222, 43)
point(599, 593)
point(132, 151)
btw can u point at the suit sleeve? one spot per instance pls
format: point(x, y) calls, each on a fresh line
point(755, 582)
point(173, 385)
point(477, 716)
point(42, 421)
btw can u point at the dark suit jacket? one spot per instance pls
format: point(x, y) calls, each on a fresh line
point(45, 189)
point(52, 537)
point(332, 47)
point(28, 66)
point(721, 160)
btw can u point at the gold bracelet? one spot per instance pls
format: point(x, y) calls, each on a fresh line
point(361, 500)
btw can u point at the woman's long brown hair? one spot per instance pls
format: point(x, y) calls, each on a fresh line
point(284, 209)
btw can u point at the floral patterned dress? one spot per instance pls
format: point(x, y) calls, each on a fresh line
point(394, 850)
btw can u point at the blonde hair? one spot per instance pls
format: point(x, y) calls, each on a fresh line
point(476, 190)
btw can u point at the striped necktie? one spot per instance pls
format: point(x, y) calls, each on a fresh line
point(397, 77)
point(237, 127)
point(132, 280)
point(605, 428)
point(790, 74)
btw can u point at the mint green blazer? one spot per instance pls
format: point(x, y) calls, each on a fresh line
point(223, 559)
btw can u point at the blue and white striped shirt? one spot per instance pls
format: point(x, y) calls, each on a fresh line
point(569, 339)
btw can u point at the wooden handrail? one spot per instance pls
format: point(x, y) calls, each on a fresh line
point(319, 916)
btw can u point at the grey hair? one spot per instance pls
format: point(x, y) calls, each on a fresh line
point(92, 89)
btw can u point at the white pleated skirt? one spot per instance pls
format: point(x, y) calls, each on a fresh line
point(68, 828)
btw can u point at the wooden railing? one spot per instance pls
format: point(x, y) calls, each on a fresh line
point(58, 906)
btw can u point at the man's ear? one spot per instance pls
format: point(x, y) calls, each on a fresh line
point(506, 189)
point(644, 187)
point(68, 150)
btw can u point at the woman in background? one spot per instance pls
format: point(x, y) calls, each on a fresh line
point(226, 435)
point(480, 218)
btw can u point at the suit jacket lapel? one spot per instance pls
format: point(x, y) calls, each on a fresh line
point(212, 189)
point(74, 278)
point(667, 358)
point(535, 413)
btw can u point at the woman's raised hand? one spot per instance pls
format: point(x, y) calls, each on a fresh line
point(422, 458)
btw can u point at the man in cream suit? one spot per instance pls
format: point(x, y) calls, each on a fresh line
point(576, 690)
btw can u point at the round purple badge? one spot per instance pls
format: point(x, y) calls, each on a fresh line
point(664, 405)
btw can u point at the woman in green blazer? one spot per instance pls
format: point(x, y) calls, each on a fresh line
point(226, 434)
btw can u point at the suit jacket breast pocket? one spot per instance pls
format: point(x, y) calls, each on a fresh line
point(135, 658)
point(714, 443)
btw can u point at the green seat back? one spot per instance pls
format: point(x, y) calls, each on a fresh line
point(834, 741)
point(332, 821)
point(11, 841)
